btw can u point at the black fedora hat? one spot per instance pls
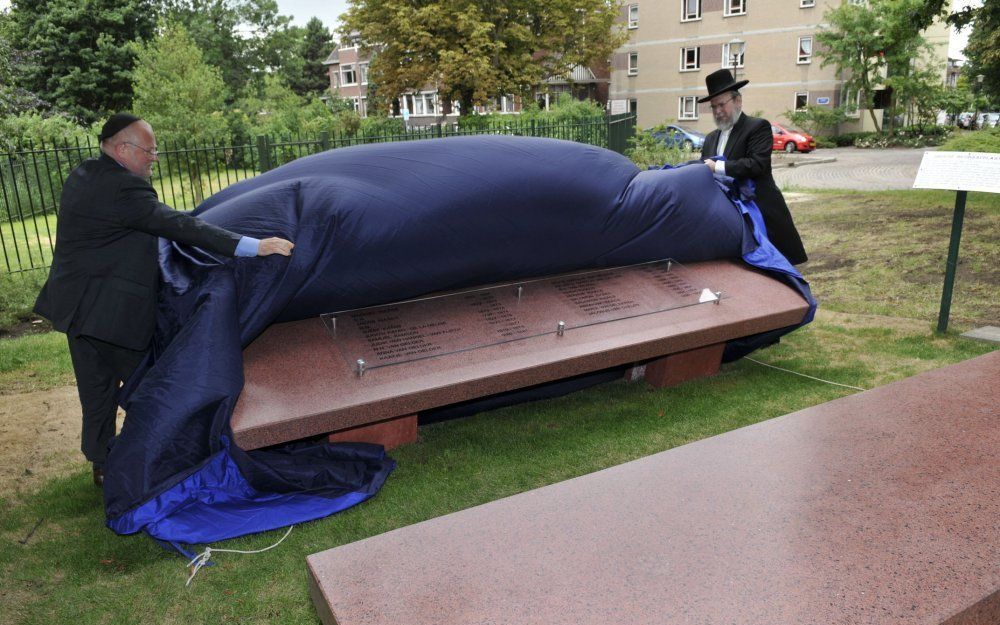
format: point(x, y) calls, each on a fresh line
point(721, 81)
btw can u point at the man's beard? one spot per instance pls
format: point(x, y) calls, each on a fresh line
point(728, 123)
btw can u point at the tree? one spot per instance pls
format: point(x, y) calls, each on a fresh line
point(79, 58)
point(179, 94)
point(243, 38)
point(876, 44)
point(14, 98)
point(983, 50)
point(814, 119)
point(304, 71)
point(473, 50)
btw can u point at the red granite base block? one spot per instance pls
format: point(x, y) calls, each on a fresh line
point(683, 366)
point(389, 433)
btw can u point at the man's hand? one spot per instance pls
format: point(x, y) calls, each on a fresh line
point(275, 245)
point(710, 163)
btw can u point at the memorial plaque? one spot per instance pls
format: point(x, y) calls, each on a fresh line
point(379, 336)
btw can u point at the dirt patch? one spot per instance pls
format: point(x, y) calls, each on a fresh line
point(39, 438)
point(32, 325)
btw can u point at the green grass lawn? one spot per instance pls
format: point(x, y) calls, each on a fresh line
point(877, 268)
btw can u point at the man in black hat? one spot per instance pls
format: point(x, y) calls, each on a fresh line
point(746, 144)
point(101, 289)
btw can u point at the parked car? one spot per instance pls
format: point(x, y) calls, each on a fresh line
point(790, 140)
point(677, 137)
point(988, 120)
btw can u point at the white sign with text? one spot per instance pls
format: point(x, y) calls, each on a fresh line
point(959, 171)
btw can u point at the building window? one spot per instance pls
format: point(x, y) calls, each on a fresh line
point(633, 106)
point(851, 101)
point(687, 106)
point(347, 75)
point(859, 3)
point(735, 7)
point(690, 10)
point(363, 69)
point(805, 4)
point(805, 49)
point(364, 107)
point(633, 16)
point(633, 63)
point(425, 104)
point(727, 58)
point(690, 59)
point(801, 100)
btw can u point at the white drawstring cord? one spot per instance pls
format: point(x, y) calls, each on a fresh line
point(202, 558)
point(857, 388)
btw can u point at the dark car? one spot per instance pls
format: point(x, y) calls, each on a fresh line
point(677, 137)
point(790, 140)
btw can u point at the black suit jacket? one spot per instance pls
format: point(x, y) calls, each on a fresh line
point(104, 272)
point(748, 155)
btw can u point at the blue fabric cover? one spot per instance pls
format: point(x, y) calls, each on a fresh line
point(374, 224)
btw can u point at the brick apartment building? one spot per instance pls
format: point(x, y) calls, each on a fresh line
point(674, 44)
point(347, 67)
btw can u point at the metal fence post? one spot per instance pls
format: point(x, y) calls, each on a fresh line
point(263, 153)
point(324, 140)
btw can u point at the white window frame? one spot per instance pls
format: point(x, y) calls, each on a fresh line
point(728, 10)
point(727, 59)
point(688, 16)
point(807, 4)
point(805, 58)
point(692, 110)
point(425, 103)
point(633, 63)
point(363, 70)
point(344, 71)
point(795, 102)
point(633, 16)
point(685, 66)
point(845, 97)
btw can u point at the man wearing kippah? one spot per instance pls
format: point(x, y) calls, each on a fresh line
point(102, 285)
point(745, 142)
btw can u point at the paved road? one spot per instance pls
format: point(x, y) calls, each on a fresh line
point(868, 170)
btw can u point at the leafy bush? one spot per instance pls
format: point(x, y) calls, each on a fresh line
point(814, 119)
point(646, 151)
point(34, 128)
point(974, 141)
point(825, 142)
point(908, 137)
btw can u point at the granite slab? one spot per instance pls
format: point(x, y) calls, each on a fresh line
point(985, 333)
point(299, 385)
point(877, 508)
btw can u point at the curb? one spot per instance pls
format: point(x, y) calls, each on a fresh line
point(812, 161)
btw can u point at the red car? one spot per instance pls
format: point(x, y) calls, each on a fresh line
point(791, 140)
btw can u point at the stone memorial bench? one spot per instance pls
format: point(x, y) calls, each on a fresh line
point(876, 508)
point(302, 382)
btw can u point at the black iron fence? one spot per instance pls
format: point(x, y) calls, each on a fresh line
point(32, 175)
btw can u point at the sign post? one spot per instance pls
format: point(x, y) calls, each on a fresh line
point(961, 172)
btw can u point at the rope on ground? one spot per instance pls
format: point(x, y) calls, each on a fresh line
point(857, 388)
point(202, 558)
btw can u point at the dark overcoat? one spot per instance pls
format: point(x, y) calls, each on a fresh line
point(748, 155)
point(104, 273)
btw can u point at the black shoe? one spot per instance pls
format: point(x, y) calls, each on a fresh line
point(99, 477)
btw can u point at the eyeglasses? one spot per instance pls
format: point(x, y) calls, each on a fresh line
point(720, 105)
point(153, 153)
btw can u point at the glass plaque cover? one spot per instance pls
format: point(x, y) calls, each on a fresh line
point(389, 334)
